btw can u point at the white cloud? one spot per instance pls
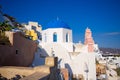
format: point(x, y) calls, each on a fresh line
point(112, 33)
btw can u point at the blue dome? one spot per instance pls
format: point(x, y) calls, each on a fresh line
point(57, 24)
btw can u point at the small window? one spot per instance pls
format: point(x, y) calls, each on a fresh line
point(55, 37)
point(16, 51)
point(67, 37)
point(34, 28)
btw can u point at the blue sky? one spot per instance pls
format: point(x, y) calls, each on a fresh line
point(101, 16)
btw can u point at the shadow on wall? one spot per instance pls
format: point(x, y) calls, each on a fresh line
point(42, 52)
point(39, 58)
point(39, 35)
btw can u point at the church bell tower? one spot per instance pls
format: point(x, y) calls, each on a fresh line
point(89, 40)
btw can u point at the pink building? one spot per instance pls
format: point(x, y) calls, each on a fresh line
point(89, 40)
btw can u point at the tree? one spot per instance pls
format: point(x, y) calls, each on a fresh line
point(4, 26)
point(13, 21)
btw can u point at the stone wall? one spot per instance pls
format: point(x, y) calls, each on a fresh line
point(78, 77)
point(100, 69)
point(19, 53)
point(11, 71)
point(45, 72)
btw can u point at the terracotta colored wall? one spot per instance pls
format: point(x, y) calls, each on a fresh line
point(20, 53)
point(65, 73)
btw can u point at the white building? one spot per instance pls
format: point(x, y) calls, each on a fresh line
point(34, 26)
point(78, 58)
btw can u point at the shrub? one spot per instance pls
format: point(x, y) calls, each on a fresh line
point(118, 71)
point(4, 40)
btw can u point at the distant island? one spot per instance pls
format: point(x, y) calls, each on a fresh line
point(110, 50)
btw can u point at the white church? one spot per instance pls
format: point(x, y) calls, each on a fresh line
point(78, 58)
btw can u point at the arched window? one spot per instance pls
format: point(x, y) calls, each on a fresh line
point(55, 37)
point(67, 37)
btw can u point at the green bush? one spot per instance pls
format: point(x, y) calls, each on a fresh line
point(4, 26)
point(118, 71)
point(4, 40)
point(97, 62)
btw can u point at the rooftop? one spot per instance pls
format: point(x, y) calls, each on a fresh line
point(57, 24)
